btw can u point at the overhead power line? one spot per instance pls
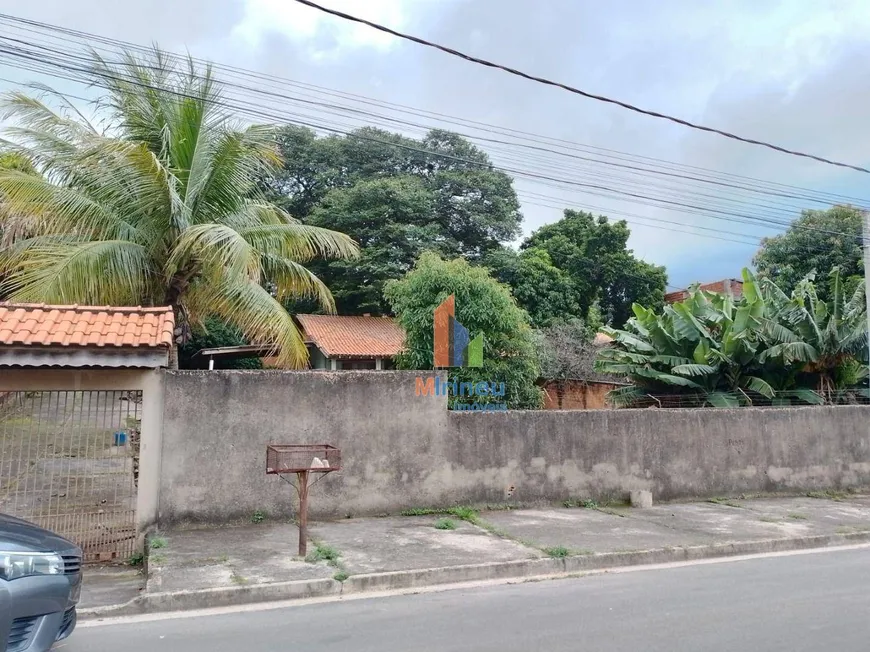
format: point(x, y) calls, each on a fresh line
point(47, 59)
point(577, 91)
point(650, 166)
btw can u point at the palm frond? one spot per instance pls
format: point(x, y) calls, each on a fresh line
point(217, 250)
point(61, 209)
point(102, 272)
point(292, 280)
point(32, 113)
point(253, 311)
point(299, 242)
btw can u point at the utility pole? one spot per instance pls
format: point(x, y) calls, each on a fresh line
point(866, 245)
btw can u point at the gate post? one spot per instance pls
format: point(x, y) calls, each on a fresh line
point(150, 449)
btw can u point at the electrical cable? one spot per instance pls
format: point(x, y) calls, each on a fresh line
point(577, 91)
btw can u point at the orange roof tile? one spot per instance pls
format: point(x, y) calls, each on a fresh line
point(720, 287)
point(29, 324)
point(351, 336)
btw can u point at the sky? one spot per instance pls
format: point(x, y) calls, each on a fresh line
point(792, 72)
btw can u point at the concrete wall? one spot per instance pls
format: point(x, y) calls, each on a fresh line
point(401, 450)
point(217, 425)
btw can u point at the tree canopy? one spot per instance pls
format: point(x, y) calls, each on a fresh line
point(543, 290)
point(567, 267)
point(817, 242)
point(483, 306)
point(164, 211)
point(398, 197)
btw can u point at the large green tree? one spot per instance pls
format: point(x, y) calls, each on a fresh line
point(164, 210)
point(818, 241)
point(390, 218)
point(544, 291)
point(595, 268)
point(483, 306)
point(391, 192)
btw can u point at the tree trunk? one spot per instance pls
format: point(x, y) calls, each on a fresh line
point(823, 387)
point(173, 357)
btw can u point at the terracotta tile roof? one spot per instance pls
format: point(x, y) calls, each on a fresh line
point(351, 336)
point(28, 324)
point(735, 285)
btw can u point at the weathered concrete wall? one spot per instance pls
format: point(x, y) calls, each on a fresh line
point(217, 425)
point(402, 450)
point(675, 453)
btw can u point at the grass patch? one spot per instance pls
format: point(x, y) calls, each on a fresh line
point(259, 516)
point(136, 559)
point(238, 579)
point(323, 552)
point(156, 543)
point(724, 501)
point(463, 513)
point(445, 524)
point(770, 519)
point(156, 559)
point(557, 552)
point(795, 516)
point(340, 576)
point(829, 494)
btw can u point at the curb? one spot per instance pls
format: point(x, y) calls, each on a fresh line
point(426, 577)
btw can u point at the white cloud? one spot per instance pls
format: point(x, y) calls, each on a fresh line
point(322, 36)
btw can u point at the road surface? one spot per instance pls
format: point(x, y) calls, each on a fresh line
point(803, 602)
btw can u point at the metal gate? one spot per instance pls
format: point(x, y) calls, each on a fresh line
point(69, 462)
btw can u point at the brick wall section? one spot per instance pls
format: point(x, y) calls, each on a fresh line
point(576, 394)
point(720, 287)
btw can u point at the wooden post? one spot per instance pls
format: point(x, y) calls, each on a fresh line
point(302, 477)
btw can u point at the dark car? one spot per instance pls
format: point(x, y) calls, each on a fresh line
point(40, 583)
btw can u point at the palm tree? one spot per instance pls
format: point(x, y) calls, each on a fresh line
point(158, 208)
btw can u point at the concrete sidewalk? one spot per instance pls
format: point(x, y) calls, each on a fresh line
point(201, 568)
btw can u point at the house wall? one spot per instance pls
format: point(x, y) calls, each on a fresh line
point(576, 394)
point(401, 450)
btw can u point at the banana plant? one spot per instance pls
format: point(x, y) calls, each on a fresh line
point(709, 346)
point(826, 341)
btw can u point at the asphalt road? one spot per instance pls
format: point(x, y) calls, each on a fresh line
point(805, 602)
